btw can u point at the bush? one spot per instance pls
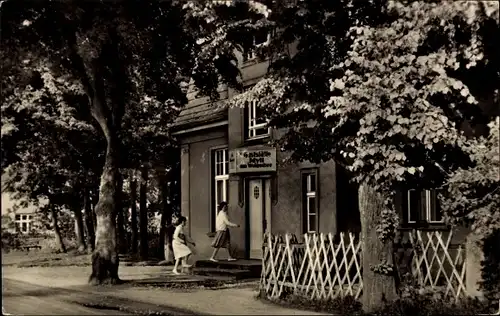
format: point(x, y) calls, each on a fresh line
point(10, 241)
point(491, 267)
point(17, 240)
point(154, 246)
point(422, 305)
point(342, 305)
point(48, 244)
point(426, 304)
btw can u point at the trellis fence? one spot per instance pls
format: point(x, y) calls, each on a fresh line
point(319, 267)
point(323, 267)
point(438, 265)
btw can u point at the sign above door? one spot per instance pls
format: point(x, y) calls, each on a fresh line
point(252, 160)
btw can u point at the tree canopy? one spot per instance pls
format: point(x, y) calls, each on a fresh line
point(388, 90)
point(397, 92)
point(133, 61)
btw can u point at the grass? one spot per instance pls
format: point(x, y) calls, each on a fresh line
point(37, 258)
point(23, 259)
point(339, 306)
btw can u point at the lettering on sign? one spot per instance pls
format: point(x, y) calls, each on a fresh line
point(257, 159)
point(252, 160)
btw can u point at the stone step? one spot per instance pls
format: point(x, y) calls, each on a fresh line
point(253, 267)
point(236, 274)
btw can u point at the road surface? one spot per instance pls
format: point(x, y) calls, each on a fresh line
point(20, 298)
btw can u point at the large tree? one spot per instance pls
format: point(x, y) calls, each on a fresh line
point(108, 48)
point(386, 89)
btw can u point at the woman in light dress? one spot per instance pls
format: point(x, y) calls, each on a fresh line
point(180, 245)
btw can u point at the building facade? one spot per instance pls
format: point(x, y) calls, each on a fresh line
point(225, 157)
point(18, 219)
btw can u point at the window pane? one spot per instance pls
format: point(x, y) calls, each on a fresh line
point(414, 205)
point(261, 37)
point(312, 223)
point(261, 131)
point(226, 190)
point(225, 162)
point(259, 115)
point(251, 112)
point(18, 217)
point(219, 191)
point(312, 183)
point(435, 209)
point(29, 217)
point(311, 205)
point(24, 227)
point(24, 217)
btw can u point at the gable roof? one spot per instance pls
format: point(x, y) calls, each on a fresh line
point(200, 114)
point(201, 110)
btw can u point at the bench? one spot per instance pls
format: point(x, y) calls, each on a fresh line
point(28, 247)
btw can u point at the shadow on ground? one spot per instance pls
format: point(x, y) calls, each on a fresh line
point(97, 297)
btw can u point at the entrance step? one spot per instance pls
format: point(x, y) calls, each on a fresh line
point(235, 274)
point(246, 268)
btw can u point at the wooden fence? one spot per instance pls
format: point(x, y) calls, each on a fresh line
point(318, 268)
point(324, 268)
point(437, 265)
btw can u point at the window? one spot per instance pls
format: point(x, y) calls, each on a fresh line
point(257, 123)
point(221, 177)
point(310, 200)
point(259, 39)
point(422, 207)
point(23, 222)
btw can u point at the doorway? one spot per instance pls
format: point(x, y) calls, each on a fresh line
point(259, 210)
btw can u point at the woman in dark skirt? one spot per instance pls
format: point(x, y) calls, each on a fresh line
point(222, 237)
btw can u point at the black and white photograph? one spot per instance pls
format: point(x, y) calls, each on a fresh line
point(250, 157)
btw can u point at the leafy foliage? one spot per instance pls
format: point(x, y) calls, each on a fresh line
point(405, 81)
point(472, 195)
point(49, 159)
point(399, 92)
point(131, 62)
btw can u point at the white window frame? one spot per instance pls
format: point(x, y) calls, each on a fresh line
point(253, 127)
point(223, 177)
point(24, 219)
point(311, 195)
point(428, 208)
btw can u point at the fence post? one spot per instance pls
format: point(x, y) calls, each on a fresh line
point(473, 257)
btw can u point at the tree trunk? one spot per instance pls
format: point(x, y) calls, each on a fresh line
point(94, 194)
point(89, 221)
point(143, 215)
point(166, 220)
point(59, 242)
point(119, 214)
point(133, 211)
point(377, 288)
point(79, 231)
point(105, 257)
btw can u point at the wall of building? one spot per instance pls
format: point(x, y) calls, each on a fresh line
point(196, 183)
point(288, 214)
